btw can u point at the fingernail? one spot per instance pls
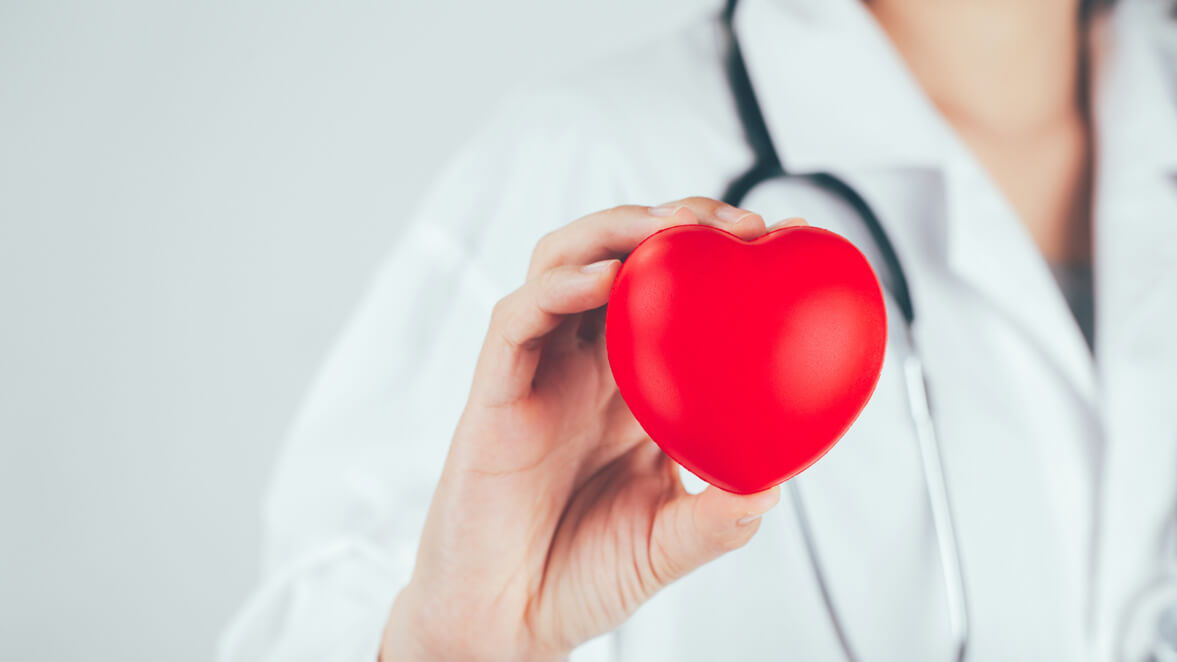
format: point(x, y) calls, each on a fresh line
point(744, 521)
point(597, 266)
point(731, 214)
point(759, 504)
point(664, 210)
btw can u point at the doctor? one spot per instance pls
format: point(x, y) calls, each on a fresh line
point(1022, 159)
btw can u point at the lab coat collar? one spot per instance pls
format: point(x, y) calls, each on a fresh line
point(860, 108)
point(1135, 113)
point(1136, 88)
point(1136, 179)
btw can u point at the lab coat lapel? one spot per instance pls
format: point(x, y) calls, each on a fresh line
point(991, 250)
point(1136, 310)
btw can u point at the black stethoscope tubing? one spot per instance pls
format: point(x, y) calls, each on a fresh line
point(768, 165)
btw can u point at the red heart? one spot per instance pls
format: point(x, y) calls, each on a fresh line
point(746, 361)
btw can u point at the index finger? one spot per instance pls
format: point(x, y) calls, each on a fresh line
point(609, 233)
point(615, 232)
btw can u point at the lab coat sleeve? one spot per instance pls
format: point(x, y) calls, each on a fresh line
point(352, 486)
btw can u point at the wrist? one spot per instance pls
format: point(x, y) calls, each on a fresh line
point(413, 634)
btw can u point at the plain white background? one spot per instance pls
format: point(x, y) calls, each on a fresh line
point(192, 196)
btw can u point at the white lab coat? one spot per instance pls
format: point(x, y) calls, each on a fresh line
point(1062, 468)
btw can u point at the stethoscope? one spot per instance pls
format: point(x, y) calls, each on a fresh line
point(767, 166)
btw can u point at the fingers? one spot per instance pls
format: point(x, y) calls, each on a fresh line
point(571, 272)
point(520, 321)
point(609, 233)
point(741, 222)
point(691, 530)
point(615, 232)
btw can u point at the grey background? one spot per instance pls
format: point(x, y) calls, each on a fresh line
point(192, 196)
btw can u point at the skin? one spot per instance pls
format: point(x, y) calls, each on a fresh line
point(556, 517)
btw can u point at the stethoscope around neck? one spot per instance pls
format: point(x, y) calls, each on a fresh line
point(768, 166)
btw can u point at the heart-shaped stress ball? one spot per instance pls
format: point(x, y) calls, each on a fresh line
point(745, 361)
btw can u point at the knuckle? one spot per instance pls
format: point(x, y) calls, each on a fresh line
point(545, 281)
point(501, 311)
point(545, 247)
point(541, 295)
point(509, 314)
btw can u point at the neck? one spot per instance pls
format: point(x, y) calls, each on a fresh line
point(1000, 67)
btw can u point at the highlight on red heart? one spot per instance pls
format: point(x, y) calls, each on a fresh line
point(746, 361)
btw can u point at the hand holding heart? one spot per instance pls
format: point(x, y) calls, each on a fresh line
point(556, 516)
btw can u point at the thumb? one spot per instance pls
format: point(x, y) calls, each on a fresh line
point(691, 529)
